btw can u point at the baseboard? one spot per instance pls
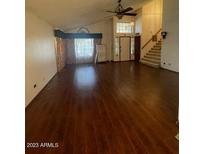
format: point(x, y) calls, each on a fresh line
point(168, 70)
point(122, 61)
point(31, 102)
point(103, 62)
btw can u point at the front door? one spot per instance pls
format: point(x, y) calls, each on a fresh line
point(125, 48)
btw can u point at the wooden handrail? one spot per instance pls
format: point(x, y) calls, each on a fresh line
point(150, 39)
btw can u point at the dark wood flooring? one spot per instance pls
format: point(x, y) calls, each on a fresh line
point(113, 108)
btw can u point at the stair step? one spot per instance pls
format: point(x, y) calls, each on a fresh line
point(154, 54)
point(151, 60)
point(155, 51)
point(156, 48)
point(150, 64)
point(152, 57)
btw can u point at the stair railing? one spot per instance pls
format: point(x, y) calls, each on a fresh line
point(149, 44)
point(152, 38)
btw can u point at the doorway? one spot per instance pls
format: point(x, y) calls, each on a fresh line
point(137, 48)
point(125, 50)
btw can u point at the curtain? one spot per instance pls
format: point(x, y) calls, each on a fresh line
point(84, 50)
point(60, 53)
point(80, 51)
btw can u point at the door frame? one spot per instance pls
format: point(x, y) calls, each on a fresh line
point(120, 47)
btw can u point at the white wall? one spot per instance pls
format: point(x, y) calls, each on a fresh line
point(40, 55)
point(151, 19)
point(151, 23)
point(138, 23)
point(104, 27)
point(170, 45)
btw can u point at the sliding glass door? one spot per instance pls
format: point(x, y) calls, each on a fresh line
point(84, 50)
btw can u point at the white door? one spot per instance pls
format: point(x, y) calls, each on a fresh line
point(124, 48)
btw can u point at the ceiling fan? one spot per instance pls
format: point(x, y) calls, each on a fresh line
point(120, 11)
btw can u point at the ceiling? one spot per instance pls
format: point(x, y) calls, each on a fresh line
point(68, 14)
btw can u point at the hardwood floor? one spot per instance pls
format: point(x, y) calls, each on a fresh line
point(113, 108)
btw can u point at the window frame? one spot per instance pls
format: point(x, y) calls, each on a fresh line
point(119, 30)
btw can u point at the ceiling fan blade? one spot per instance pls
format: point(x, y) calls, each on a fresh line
point(126, 10)
point(111, 11)
point(130, 14)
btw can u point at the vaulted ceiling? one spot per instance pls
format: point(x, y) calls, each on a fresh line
point(68, 14)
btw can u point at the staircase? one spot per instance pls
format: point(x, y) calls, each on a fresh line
point(153, 57)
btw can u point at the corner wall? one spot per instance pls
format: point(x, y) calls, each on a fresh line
point(40, 57)
point(170, 45)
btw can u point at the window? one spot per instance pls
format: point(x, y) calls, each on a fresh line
point(84, 48)
point(117, 46)
point(124, 27)
point(132, 45)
